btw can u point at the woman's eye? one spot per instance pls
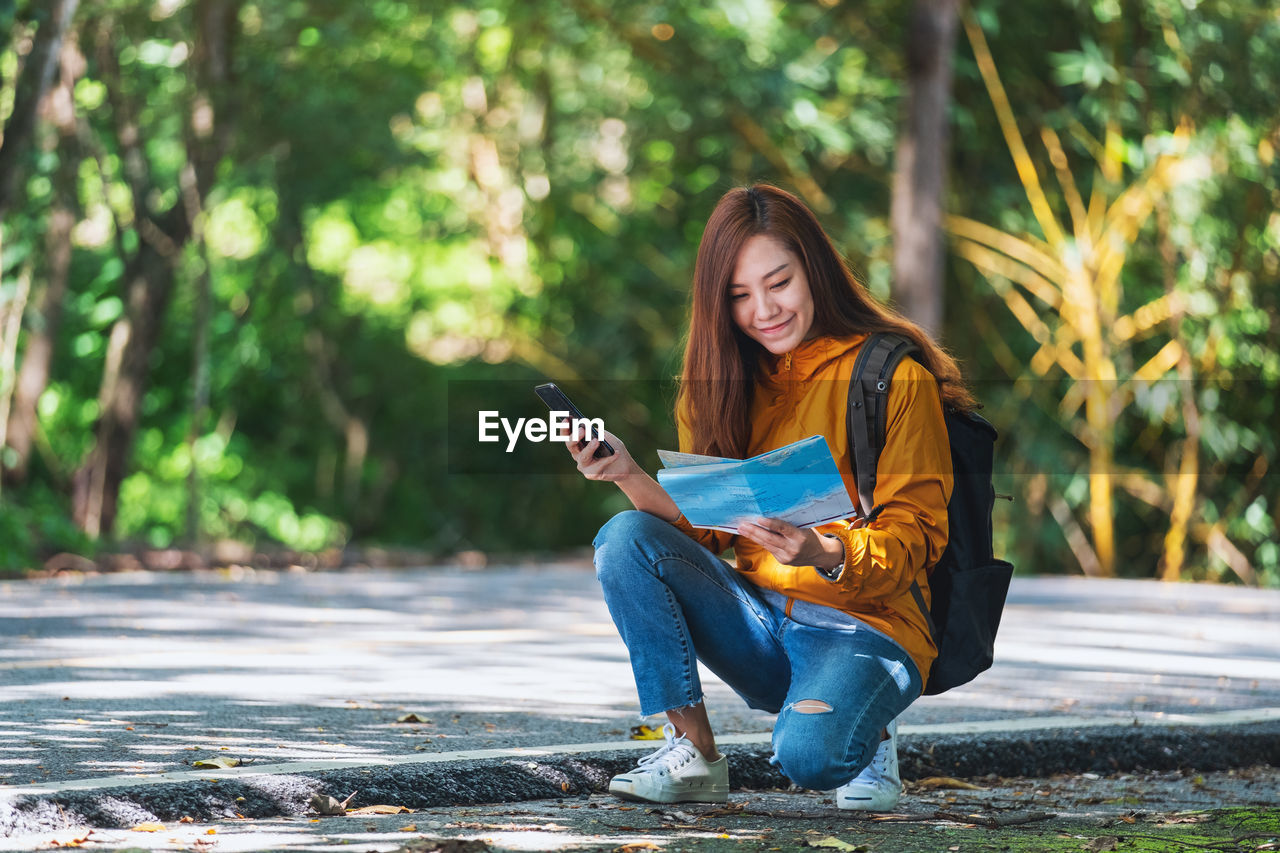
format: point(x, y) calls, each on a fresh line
point(737, 297)
point(780, 284)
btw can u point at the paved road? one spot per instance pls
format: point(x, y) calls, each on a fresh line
point(128, 674)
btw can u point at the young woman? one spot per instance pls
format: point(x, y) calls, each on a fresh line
point(816, 625)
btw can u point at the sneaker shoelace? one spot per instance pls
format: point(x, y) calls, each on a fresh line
point(676, 753)
point(880, 761)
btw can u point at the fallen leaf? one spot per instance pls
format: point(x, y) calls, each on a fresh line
point(187, 819)
point(643, 732)
point(412, 718)
point(79, 841)
point(1196, 817)
point(833, 843)
point(936, 782)
point(326, 805)
point(148, 827)
point(413, 827)
point(636, 845)
point(379, 810)
point(211, 831)
point(221, 762)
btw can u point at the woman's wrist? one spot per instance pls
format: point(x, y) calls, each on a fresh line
point(832, 553)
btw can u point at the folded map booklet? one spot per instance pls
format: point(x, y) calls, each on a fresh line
point(798, 483)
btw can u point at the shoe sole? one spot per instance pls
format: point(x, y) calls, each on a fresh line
point(711, 796)
point(865, 805)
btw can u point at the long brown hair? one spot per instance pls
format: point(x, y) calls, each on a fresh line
point(721, 362)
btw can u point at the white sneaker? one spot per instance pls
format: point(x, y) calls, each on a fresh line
point(676, 773)
point(878, 787)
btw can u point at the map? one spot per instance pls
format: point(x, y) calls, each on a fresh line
point(798, 483)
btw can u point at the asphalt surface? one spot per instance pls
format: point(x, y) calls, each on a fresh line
point(113, 687)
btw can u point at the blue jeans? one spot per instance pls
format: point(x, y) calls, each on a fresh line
point(675, 603)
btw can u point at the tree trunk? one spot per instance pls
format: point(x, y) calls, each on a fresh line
point(10, 329)
point(37, 357)
point(96, 486)
point(921, 172)
point(43, 324)
point(36, 77)
point(200, 351)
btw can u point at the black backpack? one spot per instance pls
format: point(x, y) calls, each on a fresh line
point(968, 584)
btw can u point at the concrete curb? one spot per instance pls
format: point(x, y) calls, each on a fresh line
point(1102, 749)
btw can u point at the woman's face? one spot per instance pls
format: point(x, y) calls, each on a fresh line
point(769, 295)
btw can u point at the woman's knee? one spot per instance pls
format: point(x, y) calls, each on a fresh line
point(805, 762)
point(619, 541)
point(627, 528)
point(816, 756)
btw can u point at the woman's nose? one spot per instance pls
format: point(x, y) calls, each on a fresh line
point(766, 307)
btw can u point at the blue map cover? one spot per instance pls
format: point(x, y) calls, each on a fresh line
point(798, 483)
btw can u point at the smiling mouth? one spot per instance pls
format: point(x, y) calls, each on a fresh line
point(771, 329)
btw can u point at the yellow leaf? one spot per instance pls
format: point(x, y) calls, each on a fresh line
point(643, 732)
point(635, 846)
point(833, 843)
point(219, 763)
point(211, 832)
point(148, 827)
point(1160, 363)
point(380, 810)
point(413, 827)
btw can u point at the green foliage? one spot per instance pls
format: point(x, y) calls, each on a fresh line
point(39, 526)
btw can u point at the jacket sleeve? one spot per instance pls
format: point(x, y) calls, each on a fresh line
point(913, 484)
point(715, 541)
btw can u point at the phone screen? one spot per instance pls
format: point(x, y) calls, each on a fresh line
point(557, 401)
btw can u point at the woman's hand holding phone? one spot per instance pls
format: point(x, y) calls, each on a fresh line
point(611, 469)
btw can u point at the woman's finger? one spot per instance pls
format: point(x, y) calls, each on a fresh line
point(586, 455)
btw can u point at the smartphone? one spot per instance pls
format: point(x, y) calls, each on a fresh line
point(557, 402)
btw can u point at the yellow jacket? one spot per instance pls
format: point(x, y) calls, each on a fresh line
point(804, 393)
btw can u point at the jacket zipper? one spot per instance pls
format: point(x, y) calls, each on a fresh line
point(786, 363)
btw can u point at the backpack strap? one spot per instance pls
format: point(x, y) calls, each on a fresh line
point(866, 422)
point(867, 413)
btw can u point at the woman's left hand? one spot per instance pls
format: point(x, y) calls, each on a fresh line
point(793, 546)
